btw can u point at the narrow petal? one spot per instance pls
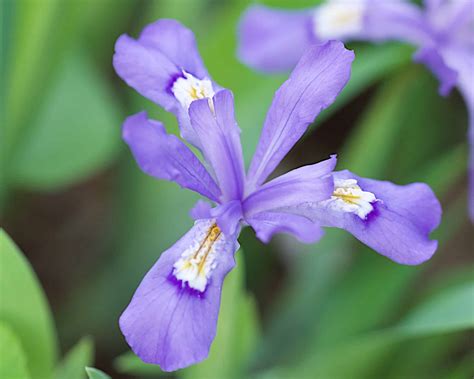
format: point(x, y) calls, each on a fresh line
point(399, 225)
point(273, 39)
point(266, 224)
point(310, 183)
point(177, 43)
point(320, 75)
point(219, 138)
point(164, 156)
point(167, 322)
point(395, 20)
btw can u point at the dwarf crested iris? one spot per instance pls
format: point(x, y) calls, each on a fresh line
point(273, 39)
point(171, 319)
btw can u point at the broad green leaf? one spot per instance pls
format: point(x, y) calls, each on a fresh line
point(50, 26)
point(24, 308)
point(237, 331)
point(13, 361)
point(360, 357)
point(443, 313)
point(94, 373)
point(33, 22)
point(72, 366)
point(441, 173)
point(76, 131)
point(356, 295)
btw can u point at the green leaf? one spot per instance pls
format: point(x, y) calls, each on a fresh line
point(76, 132)
point(380, 127)
point(463, 369)
point(443, 313)
point(360, 357)
point(72, 366)
point(356, 295)
point(371, 64)
point(314, 271)
point(237, 331)
point(24, 308)
point(13, 361)
point(129, 363)
point(94, 373)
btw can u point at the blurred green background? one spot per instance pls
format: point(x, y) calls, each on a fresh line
point(87, 224)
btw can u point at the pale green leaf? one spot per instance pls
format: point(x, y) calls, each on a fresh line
point(76, 132)
point(446, 312)
point(13, 358)
point(94, 373)
point(129, 363)
point(24, 308)
point(72, 366)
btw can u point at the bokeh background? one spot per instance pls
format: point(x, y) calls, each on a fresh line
point(90, 224)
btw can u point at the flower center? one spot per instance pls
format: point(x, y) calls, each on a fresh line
point(349, 197)
point(197, 262)
point(188, 88)
point(339, 19)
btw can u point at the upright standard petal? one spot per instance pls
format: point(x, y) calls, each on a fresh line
point(320, 75)
point(395, 221)
point(266, 224)
point(171, 319)
point(310, 183)
point(214, 123)
point(164, 156)
point(274, 39)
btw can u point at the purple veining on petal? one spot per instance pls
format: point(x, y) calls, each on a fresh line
point(183, 286)
point(374, 213)
point(171, 82)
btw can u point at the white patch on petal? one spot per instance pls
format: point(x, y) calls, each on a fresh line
point(339, 19)
point(349, 197)
point(189, 88)
point(197, 262)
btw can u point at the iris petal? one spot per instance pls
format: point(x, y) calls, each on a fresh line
point(320, 75)
point(164, 156)
point(168, 323)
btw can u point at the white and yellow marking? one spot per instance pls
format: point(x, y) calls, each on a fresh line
point(338, 19)
point(198, 261)
point(349, 197)
point(188, 88)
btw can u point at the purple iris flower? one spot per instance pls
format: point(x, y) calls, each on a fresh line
point(171, 319)
point(443, 31)
point(273, 40)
